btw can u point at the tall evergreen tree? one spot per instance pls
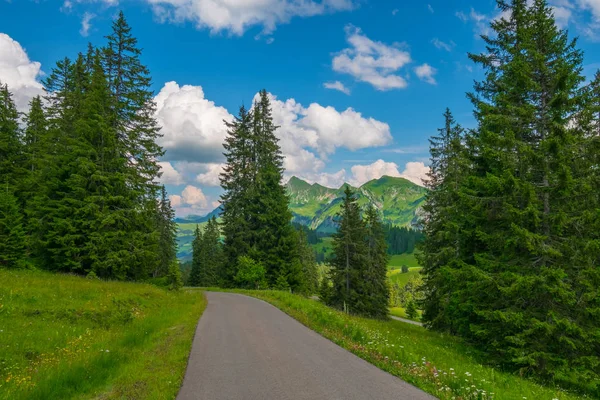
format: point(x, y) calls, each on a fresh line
point(350, 256)
point(442, 245)
point(167, 229)
point(12, 233)
point(236, 180)
point(212, 254)
point(308, 265)
point(375, 291)
point(197, 258)
point(269, 214)
point(523, 283)
point(11, 149)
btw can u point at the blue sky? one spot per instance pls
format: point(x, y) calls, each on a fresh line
point(358, 85)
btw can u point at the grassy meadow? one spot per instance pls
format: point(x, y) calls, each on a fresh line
point(439, 364)
point(66, 337)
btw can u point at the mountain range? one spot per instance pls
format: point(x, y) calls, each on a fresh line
point(398, 200)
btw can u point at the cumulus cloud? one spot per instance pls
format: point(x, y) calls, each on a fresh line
point(170, 176)
point(18, 72)
point(194, 197)
point(322, 129)
point(337, 85)
point(236, 16)
point(176, 200)
point(425, 73)
point(192, 126)
point(86, 24)
point(370, 61)
point(413, 171)
point(211, 176)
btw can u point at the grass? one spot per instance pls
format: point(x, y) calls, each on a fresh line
point(439, 364)
point(66, 337)
point(397, 276)
point(398, 260)
point(401, 312)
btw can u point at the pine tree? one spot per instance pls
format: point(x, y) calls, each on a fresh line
point(350, 256)
point(269, 214)
point(442, 244)
point(197, 258)
point(167, 229)
point(235, 181)
point(375, 289)
point(11, 149)
point(12, 233)
point(308, 265)
point(523, 281)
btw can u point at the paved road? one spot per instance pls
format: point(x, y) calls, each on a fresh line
point(246, 349)
point(408, 321)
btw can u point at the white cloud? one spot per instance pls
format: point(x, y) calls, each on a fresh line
point(176, 200)
point(426, 72)
point(236, 16)
point(170, 176)
point(18, 72)
point(337, 85)
point(413, 171)
point(192, 126)
point(431, 10)
point(324, 129)
point(443, 45)
point(211, 176)
point(327, 179)
point(373, 62)
point(194, 197)
point(395, 11)
point(86, 24)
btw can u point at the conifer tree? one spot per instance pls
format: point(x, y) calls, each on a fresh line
point(11, 149)
point(349, 257)
point(197, 258)
point(269, 214)
point(212, 256)
point(442, 244)
point(235, 181)
point(523, 281)
point(375, 290)
point(308, 265)
point(12, 233)
point(167, 229)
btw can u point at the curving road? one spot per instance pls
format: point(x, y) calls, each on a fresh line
point(246, 349)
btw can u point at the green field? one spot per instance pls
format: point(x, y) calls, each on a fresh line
point(66, 337)
point(402, 279)
point(439, 364)
point(398, 260)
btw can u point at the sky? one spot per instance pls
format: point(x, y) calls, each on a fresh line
point(357, 86)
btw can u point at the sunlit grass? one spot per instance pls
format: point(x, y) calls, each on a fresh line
point(66, 337)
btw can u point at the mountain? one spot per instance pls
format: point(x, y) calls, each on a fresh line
point(397, 199)
point(316, 206)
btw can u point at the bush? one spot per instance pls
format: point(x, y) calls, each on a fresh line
point(282, 284)
point(175, 281)
point(405, 269)
point(411, 310)
point(251, 274)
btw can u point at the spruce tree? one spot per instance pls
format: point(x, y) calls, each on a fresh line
point(523, 281)
point(236, 180)
point(442, 244)
point(12, 233)
point(375, 290)
point(308, 265)
point(167, 229)
point(197, 258)
point(11, 149)
point(268, 208)
point(350, 257)
point(212, 255)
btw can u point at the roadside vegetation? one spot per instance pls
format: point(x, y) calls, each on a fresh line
point(66, 337)
point(437, 363)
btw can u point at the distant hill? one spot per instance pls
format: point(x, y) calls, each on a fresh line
point(397, 199)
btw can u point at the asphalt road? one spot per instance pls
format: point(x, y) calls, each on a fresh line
point(246, 349)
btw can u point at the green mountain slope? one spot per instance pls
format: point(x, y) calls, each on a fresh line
point(398, 200)
point(316, 206)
